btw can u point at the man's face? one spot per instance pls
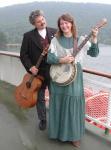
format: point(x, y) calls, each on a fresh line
point(40, 22)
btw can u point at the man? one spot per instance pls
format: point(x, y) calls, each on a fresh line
point(32, 46)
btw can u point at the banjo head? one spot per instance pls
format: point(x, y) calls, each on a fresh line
point(63, 74)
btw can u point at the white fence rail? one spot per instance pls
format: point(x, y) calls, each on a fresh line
point(11, 69)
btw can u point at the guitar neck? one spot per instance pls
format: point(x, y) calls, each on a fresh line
point(37, 65)
point(39, 61)
point(28, 84)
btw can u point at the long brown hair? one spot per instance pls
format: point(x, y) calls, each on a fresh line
point(69, 18)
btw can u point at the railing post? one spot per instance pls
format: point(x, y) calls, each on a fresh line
point(108, 121)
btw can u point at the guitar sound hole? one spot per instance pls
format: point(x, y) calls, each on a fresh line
point(28, 84)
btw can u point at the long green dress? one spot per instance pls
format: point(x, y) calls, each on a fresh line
point(67, 103)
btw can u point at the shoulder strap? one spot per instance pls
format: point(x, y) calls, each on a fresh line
point(75, 47)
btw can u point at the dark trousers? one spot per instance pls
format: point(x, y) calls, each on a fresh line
point(41, 107)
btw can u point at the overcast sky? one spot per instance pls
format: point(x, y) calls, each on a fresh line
point(12, 2)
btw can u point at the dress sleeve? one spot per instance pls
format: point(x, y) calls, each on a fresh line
point(52, 52)
point(52, 58)
point(93, 50)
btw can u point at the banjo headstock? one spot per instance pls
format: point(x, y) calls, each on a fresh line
point(101, 24)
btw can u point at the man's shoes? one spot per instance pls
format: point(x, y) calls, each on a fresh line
point(42, 124)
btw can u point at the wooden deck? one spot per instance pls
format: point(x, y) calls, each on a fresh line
point(19, 129)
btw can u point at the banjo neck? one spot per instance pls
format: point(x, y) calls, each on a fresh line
point(102, 23)
point(77, 50)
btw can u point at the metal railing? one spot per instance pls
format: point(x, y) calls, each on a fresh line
point(11, 69)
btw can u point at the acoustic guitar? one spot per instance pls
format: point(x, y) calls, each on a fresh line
point(26, 93)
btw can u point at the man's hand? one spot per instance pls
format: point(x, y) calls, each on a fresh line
point(34, 70)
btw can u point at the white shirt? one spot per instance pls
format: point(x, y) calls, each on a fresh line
point(42, 33)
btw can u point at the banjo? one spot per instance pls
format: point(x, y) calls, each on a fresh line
point(64, 74)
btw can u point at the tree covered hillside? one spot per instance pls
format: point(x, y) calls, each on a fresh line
point(14, 19)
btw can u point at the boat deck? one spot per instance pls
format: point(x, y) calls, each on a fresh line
point(19, 129)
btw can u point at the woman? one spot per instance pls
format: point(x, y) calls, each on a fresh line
point(67, 103)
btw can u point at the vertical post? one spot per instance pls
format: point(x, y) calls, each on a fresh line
point(108, 121)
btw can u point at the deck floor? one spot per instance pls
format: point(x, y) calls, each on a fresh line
point(19, 129)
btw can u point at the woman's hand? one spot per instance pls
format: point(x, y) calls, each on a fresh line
point(67, 59)
point(94, 35)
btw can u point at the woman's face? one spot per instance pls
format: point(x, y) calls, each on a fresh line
point(65, 26)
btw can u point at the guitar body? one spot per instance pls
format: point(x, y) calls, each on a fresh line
point(26, 97)
point(27, 92)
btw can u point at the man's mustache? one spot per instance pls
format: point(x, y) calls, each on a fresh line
point(42, 24)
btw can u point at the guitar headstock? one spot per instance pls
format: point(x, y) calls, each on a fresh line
point(102, 23)
point(45, 50)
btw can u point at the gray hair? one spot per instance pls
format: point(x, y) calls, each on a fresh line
point(35, 14)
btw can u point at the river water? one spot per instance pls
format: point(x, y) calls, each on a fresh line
point(101, 63)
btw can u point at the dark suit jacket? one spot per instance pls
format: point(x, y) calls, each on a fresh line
point(31, 50)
